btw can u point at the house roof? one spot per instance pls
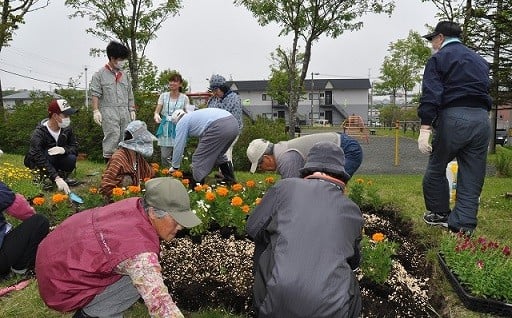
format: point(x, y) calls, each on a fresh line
point(24, 95)
point(335, 84)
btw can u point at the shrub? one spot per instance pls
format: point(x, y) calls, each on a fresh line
point(503, 161)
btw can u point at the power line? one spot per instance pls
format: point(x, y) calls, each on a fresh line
point(37, 79)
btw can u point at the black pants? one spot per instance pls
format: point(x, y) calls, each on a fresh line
point(20, 244)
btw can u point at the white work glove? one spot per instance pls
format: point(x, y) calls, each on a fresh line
point(62, 185)
point(56, 151)
point(157, 118)
point(97, 116)
point(424, 141)
point(132, 115)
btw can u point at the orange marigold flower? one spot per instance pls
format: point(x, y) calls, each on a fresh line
point(155, 166)
point(38, 201)
point(257, 201)
point(360, 180)
point(93, 190)
point(165, 171)
point(177, 174)
point(209, 196)
point(222, 191)
point(237, 187)
point(269, 180)
point(185, 182)
point(134, 189)
point(246, 209)
point(250, 184)
point(198, 188)
point(205, 186)
point(117, 192)
point(147, 179)
point(378, 237)
point(237, 201)
point(59, 197)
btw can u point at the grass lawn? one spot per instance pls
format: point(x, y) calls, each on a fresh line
point(401, 191)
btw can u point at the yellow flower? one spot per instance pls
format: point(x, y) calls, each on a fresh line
point(222, 191)
point(93, 190)
point(117, 192)
point(246, 209)
point(369, 182)
point(237, 201)
point(237, 187)
point(250, 184)
point(360, 181)
point(269, 180)
point(209, 196)
point(378, 237)
point(38, 201)
point(134, 189)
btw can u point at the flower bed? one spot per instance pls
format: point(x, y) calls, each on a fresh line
point(479, 271)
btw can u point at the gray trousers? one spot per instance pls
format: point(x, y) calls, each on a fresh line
point(114, 122)
point(166, 156)
point(212, 146)
point(462, 133)
point(114, 300)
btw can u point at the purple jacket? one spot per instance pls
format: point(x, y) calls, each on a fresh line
point(77, 260)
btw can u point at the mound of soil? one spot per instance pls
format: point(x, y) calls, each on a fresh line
point(217, 272)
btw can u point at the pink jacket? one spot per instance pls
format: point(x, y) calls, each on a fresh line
point(76, 261)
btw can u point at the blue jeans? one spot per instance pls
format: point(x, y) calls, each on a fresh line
point(460, 133)
point(353, 153)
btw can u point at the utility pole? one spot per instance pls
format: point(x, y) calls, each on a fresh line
point(312, 94)
point(86, 90)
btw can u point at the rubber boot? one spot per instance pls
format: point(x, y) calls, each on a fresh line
point(228, 173)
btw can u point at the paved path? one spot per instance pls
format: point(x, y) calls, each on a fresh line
point(379, 157)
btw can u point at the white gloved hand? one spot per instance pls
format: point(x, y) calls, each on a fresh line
point(424, 141)
point(56, 151)
point(96, 115)
point(157, 118)
point(171, 170)
point(132, 115)
point(62, 185)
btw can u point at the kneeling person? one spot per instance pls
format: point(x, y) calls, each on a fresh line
point(100, 261)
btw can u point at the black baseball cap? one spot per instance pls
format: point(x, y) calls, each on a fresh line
point(446, 28)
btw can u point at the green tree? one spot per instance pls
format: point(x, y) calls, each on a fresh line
point(402, 69)
point(307, 21)
point(279, 83)
point(134, 23)
point(13, 14)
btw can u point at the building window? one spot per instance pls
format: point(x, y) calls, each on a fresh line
point(263, 96)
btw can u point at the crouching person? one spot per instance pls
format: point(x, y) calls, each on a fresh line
point(307, 235)
point(18, 245)
point(104, 267)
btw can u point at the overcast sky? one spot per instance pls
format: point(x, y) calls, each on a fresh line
point(208, 36)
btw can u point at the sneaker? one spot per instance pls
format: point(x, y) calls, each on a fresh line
point(72, 182)
point(436, 219)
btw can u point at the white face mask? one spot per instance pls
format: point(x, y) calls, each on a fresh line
point(121, 64)
point(65, 123)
